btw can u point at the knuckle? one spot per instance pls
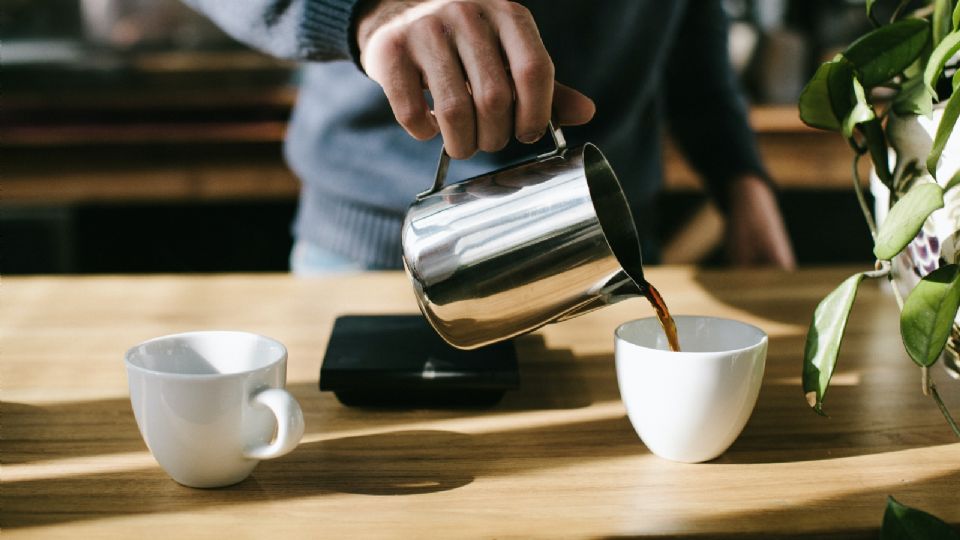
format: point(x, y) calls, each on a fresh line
point(534, 71)
point(454, 110)
point(467, 12)
point(495, 99)
point(518, 11)
point(429, 25)
point(407, 116)
point(392, 42)
point(415, 124)
point(383, 55)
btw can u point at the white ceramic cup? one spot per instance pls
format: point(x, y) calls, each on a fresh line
point(690, 406)
point(211, 404)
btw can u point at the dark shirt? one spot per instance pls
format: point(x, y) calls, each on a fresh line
point(641, 61)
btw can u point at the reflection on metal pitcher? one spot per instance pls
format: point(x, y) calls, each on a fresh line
point(502, 254)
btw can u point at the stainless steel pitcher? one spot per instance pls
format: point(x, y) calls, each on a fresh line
point(507, 252)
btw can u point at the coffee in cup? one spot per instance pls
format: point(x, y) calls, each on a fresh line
point(690, 406)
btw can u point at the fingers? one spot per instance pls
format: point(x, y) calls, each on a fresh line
point(453, 106)
point(485, 65)
point(482, 61)
point(570, 107)
point(402, 84)
point(530, 67)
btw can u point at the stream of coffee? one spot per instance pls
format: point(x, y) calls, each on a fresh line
point(666, 321)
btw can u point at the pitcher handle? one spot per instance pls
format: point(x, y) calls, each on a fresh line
point(444, 164)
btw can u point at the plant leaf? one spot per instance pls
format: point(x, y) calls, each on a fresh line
point(947, 121)
point(828, 98)
point(861, 112)
point(913, 99)
point(870, 4)
point(942, 20)
point(906, 219)
point(883, 53)
point(938, 58)
point(954, 181)
point(902, 522)
point(956, 16)
point(877, 145)
point(928, 313)
point(823, 340)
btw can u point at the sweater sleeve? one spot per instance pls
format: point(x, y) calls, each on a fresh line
point(316, 30)
point(706, 111)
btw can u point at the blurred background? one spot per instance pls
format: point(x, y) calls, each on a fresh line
point(136, 137)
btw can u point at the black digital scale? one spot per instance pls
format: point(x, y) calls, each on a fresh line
point(400, 361)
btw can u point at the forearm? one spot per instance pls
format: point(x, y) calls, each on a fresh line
point(315, 30)
point(756, 233)
point(707, 113)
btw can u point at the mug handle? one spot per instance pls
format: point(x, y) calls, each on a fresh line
point(444, 164)
point(289, 423)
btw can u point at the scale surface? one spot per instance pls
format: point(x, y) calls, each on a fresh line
point(399, 361)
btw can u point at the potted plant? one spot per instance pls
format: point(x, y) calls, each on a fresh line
point(887, 95)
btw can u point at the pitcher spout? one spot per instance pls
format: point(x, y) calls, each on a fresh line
point(618, 288)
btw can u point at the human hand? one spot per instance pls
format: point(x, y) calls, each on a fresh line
point(483, 62)
point(756, 235)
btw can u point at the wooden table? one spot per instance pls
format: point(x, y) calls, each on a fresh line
point(556, 458)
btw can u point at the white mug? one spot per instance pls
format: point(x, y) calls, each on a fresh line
point(211, 404)
point(690, 406)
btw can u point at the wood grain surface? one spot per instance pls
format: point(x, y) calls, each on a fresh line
point(557, 458)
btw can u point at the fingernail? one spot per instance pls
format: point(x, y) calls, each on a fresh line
point(528, 138)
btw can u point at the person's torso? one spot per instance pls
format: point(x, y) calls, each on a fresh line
point(344, 140)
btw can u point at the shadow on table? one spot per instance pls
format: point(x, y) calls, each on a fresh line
point(68, 430)
point(864, 418)
point(781, 429)
point(391, 463)
point(417, 461)
point(550, 379)
point(384, 464)
point(852, 534)
point(866, 391)
point(795, 307)
point(783, 521)
point(558, 379)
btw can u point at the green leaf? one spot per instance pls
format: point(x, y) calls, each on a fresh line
point(942, 19)
point(913, 98)
point(947, 121)
point(906, 219)
point(823, 340)
point(956, 16)
point(954, 182)
point(877, 145)
point(883, 53)
point(938, 58)
point(870, 4)
point(901, 522)
point(828, 98)
point(861, 112)
point(928, 313)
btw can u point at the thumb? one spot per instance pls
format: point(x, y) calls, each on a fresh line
point(570, 107)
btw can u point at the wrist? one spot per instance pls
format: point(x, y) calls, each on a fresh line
point(370, 15)
point(749, 186)
point(363, 22)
